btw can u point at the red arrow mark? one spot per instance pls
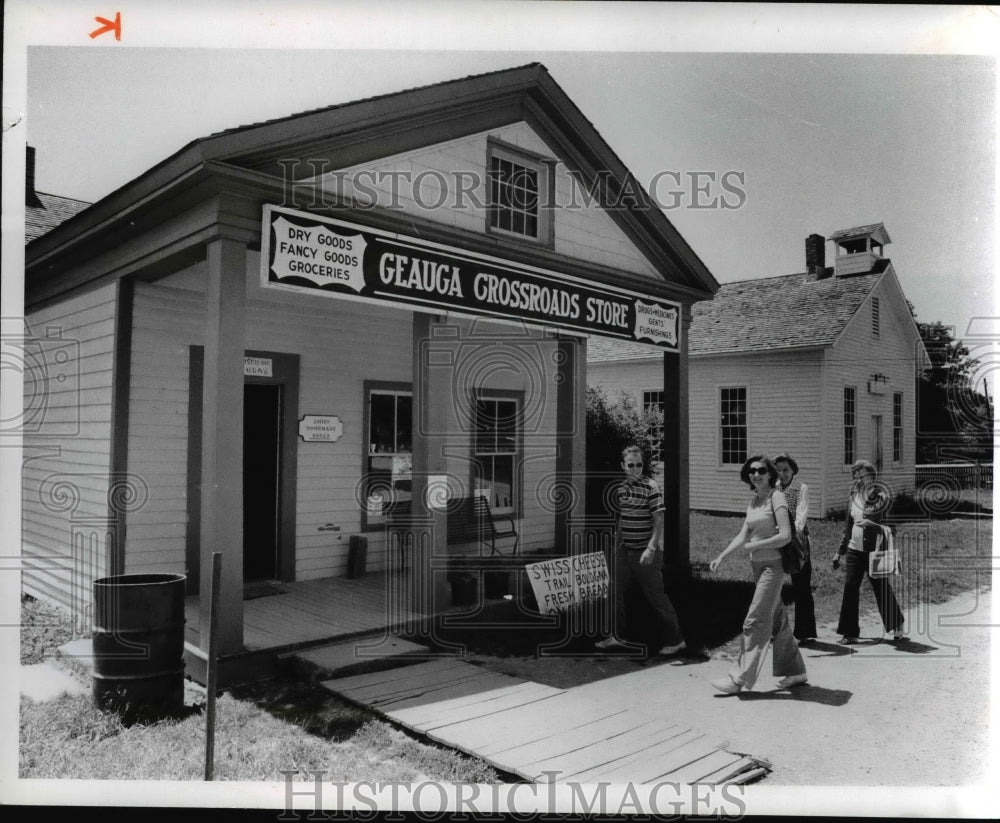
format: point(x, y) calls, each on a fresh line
point(107, 26)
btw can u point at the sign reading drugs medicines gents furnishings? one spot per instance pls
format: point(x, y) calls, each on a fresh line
point(304, 252)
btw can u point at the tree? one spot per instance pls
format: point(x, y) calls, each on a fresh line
point(954, 420)
point(611, 426)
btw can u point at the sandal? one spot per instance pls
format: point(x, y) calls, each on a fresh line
point(847, 641)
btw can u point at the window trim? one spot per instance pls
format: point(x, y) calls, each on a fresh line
point(370, 387)
point(897, 428)
point(544, 167)
point(746, 426)
point(852, 428)
point(517, 395)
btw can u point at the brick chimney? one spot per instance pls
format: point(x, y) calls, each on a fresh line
point(30, 198)
point(816, 256)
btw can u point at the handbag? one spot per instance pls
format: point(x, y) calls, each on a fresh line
point(793, 553)
point(884, 561)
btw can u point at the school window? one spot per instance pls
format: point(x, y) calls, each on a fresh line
point(517, 185)
point(653, 401)
point(850, 423)
point(876, 320)
point(389, 462)
point(733, 425)
point(495, 452)
point(897, 427)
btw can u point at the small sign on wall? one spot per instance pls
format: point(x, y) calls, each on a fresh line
point(568, 581)
point(320, 428)
point(258, 367)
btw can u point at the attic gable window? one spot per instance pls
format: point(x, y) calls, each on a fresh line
point(876, 321)
point(518, 185)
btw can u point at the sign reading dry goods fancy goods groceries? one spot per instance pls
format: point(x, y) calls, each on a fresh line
point(307, 253)
point(568, 581)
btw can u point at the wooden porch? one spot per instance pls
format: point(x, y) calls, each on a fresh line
point(283, 617)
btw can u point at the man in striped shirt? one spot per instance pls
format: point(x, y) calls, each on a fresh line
point(639, 553)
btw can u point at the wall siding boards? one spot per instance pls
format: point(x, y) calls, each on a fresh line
point(67, 448)
point(852, 361)
point(581, 229)
point(340, 344)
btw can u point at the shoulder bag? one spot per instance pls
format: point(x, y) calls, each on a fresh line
point(793, 555)
point(884, 561)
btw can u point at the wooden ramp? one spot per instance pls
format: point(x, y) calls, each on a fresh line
point(541, 733)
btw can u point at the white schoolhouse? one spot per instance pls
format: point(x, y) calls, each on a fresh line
point(821, 364)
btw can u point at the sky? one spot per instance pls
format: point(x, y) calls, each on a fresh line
point(817, 142)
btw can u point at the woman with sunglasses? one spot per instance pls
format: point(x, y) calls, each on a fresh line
point(765, 529)
point(866, 507)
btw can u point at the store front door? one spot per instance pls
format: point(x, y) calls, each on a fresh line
point(261, 480)
point(270, 460)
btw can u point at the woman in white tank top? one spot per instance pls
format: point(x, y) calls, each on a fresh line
point(765, 529)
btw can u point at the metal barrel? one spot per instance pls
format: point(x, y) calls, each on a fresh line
point(138, 640)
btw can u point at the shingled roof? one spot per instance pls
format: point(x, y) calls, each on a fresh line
point(753, 315)
point(53, 210)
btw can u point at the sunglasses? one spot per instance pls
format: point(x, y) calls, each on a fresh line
point(761, 470)
point(634, 465)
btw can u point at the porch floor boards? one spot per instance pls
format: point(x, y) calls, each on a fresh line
point(312, 611)
point(542, 733)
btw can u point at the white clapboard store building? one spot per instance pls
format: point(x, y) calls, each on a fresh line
point(279, 334)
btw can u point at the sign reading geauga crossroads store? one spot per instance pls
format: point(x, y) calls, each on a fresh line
point(306, 252)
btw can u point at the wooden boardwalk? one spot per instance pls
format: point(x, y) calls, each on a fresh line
point(541, 733)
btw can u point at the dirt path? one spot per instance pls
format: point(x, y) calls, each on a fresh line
point(916, 714)
point(912, 714)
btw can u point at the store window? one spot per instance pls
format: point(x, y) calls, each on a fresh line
point(733, 425)
point(850, 423)
point(389, 462)
point(518, 183)
point(496, 446)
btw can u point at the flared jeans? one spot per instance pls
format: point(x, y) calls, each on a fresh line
point(650, 580)
point(767, 622)
point(855, 571)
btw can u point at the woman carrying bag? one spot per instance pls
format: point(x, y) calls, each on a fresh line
point(797, 494)
point(765, 529)
point(866, 508)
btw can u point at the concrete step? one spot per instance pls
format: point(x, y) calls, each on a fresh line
point(358, 655)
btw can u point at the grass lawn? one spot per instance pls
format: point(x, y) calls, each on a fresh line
point(940, 559)
point(261, 731)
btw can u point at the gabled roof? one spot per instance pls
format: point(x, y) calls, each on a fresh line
point(39, 220)
point(791, 311)
point(876, 230)
point(356, 132)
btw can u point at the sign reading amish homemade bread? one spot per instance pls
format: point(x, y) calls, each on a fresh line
point(307, 253)
point(568, 581)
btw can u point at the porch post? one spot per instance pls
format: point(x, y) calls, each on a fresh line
point(676, 458)
point(432, 394)
point(571, 431)
point(222, 440)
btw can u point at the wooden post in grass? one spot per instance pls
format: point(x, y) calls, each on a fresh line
point(212, 666)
